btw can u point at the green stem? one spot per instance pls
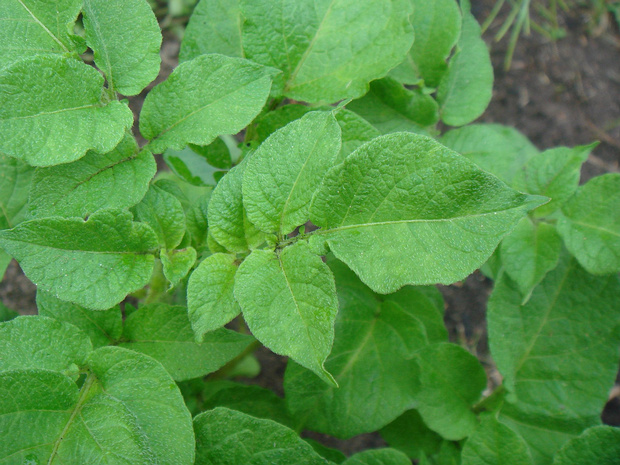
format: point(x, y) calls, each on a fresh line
point(223, 372)
point(490, 402)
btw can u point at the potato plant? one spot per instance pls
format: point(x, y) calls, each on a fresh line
point(314, 199)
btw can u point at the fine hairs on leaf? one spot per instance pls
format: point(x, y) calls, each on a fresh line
point(314, 200)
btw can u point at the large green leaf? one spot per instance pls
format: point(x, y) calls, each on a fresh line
point(117, 179)
point(390, 107)
point(409, 434)
point(93, 263)
point(104, 327)
point(557, 353)
point(466, 88)
point(600, 445)
point(210, 300)
point(328, 50)
point(590, 224)
point(282, 175)
point(176, 264)
point(289, 302)
point(437, 25)
point(126, 409)
point(378, 457)
point(203, 98)
point(51, 111)
point(451, 381)
point(500, 150)
point(529, 253)
point(34, 342)
point(15, 180)
point(493, 443)
point(125, 38)
point(403, 209)
point(164, 333)
point(554, 173)
point(228, 221)
point(227, 437)
point(215, 27)
point(34, 27)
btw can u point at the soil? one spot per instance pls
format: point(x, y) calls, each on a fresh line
point(561, 93)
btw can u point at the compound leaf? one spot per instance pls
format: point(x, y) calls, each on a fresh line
point(390, 107)
point(557, 353)
point(117, 179)
point(590, 224)
point(529, 252)
point(228, 221)
point(494, 443)
point(282, 175)
point(125, 38)
point(93, 263)
point(467, 86)
point(203, 98)
point(103, 327)
point(600, 444)
point(164, 332)
point(51, 111)
point(500, 150)
point(214, 27)
point(403, 209)
point(210, 299)
point(289, 302)
point(228, 437)
point(378, 457)
point(554, 173)
point(34, 27)
point(451, 380)
point(328, 50)
point(370, 360)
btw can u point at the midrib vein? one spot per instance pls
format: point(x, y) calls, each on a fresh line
point(43, 26)
point(54, 112)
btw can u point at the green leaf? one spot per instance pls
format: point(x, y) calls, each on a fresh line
point(557, 353)
point(203, 98)
point(378, 457)
point(409, 434)
point(227, 437)
point(103, 327)
point(210, 298)
point(451, 380)
point(177, 263)
point(214, 27)
point(328, 50)
point(467, 86)
point(437, 26)
point(196, 220)
point(6, 314)
point(164, 213)
point(93, 263)
point(289, 302)
point(390, 107)
point(125, 38)
point(600, 444)
point(117, 179)
point(421, 211)
point(228, 221)
point(251, 400)
point(554, 173)
point(333, 455)
point(217, 153)
point(590, 224)
point(197, 165)
point(33, 27)
point(127, 409)
point(15, 180)
point(282, 175)
point(500, 150)
point(529, 253)
point(370, 360)
point(51, 111)
point(493, 443)
point(164, 333)
point(36, 342)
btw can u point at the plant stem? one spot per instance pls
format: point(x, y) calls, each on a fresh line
point(223, 372)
